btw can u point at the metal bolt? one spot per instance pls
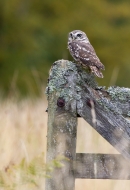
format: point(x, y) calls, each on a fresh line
point(60, 102)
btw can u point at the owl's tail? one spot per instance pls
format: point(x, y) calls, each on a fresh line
point(96, 71)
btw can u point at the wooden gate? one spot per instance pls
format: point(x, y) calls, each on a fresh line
point(72, 93)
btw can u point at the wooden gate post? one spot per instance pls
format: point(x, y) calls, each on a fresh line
point(62, 124)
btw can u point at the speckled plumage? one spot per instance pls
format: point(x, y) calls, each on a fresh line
point(83, 52)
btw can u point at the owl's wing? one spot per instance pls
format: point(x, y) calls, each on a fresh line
point(88, 56)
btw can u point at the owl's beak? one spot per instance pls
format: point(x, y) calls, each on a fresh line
point(73, 37)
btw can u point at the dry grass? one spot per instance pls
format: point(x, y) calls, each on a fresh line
point(22, 131)
point(23, 128)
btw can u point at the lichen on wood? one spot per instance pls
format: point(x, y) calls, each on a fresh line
point(67, 73)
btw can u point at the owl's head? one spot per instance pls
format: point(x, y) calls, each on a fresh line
point(78, 35)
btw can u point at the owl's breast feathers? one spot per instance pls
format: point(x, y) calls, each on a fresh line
point(85, 54)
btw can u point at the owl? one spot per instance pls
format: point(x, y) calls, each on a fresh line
point(83, 52)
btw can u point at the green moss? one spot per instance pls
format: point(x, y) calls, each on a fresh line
point(117, 93)
point(59, 76)
point(68, 80)
point(128, 113)
point(109, 106)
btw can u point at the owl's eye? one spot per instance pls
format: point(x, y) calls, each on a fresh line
point(79, 35)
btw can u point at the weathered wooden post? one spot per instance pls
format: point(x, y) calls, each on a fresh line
point(72, 91)
point(62, 124)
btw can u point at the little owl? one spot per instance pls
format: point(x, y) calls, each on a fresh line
point(83, 52)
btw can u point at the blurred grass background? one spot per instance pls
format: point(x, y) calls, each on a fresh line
point(33, 34)
point(23, 131)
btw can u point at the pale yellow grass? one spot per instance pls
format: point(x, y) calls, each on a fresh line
point(23, 129)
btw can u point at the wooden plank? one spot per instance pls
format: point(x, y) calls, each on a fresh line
point(101, 166)
point(106, 110)
point(62, 126)
point(105, 120)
